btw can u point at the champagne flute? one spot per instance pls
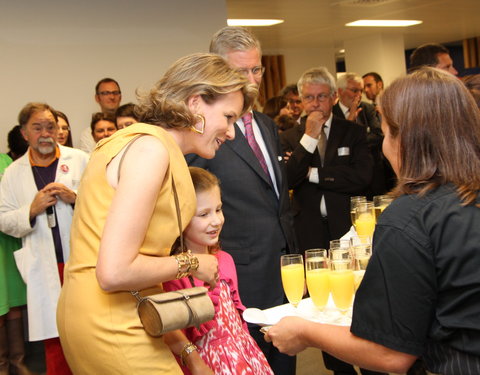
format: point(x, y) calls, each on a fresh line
point(317, 270)
point(362, 251)
point(381, 202)
point(341, 278)
point(365, 219)
point(353, 204)
point(293, 277)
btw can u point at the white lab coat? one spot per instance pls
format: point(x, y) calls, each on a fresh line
point(36, 259)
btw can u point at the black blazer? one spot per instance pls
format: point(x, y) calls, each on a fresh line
point(347, 171)
point(258, 225)
point(383, 176)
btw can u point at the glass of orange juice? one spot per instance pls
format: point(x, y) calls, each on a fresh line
point(341, 278)
point(293, 277)
point(317, 271)
point(365, 219)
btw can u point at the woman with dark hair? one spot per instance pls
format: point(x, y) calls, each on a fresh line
point(277, 109)
point(125, 116)
point(420, 296)
point(64, 135)
point(17, 145)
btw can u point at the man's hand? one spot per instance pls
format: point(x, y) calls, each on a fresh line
point(41, 202)
point(315, 121)
point(354, 110)
point(61, 191)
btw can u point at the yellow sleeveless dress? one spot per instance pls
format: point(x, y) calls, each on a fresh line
point(100, 332)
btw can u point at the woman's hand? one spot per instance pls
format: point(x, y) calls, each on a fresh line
point(207, 269)
point(286, 335)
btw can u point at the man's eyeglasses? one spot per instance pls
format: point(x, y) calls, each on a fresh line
point(320, 97)
point(106, 93)
point(355, 91)
point(49, 128)
point(256, 71)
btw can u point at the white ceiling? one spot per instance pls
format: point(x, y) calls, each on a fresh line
point(321, 23)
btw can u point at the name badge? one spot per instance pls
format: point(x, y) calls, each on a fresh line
point(343, 151)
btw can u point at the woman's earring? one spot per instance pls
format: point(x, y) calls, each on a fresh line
point(202, 122)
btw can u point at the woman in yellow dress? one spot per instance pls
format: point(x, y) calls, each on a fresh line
point(125, 218)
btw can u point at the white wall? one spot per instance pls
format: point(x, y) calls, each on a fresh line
point(299, 60)
point(55, 51)
point(382, 53)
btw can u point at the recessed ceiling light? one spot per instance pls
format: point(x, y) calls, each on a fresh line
point(384, 23)
point(252, 22)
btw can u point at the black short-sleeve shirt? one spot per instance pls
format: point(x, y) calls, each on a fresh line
point(422, 284)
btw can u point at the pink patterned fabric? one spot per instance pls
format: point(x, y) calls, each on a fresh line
point(224, 343)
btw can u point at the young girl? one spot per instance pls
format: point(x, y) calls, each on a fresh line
point(224, 342)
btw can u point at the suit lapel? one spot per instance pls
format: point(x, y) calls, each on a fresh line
point(337, 111)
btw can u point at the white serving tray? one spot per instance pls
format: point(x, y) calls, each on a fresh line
point(306, 309)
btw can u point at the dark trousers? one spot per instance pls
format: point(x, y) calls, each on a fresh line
point(281, 364)
point(344, 368)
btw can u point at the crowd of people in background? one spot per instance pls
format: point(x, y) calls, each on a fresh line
point(82, 227)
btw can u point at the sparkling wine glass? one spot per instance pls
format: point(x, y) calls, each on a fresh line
point(362, 251)
point(353, 205)
point(380, 202)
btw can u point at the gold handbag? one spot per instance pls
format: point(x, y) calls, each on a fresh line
point(165, 312)
point(179, 309)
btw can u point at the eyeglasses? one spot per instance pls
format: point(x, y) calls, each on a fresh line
point(320, 97)
point(355, 91)
point(49, 128)
point(106, 93)
point(256, 71)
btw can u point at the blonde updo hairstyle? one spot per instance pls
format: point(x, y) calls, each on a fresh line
point(204, 74)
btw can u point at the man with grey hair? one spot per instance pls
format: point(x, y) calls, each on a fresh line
point(258, 222)
point(351, 107)
point(329, 163)
point(37, 196)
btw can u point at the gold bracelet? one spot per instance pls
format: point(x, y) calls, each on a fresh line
point(187, 349)
point(183, 263)
point(194, 263)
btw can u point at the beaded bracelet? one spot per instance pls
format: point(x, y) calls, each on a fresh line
point(187, 349)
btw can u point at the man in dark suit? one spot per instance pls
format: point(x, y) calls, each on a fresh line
point(258, 222)
point(322, 188)
point(350, 107)
point(329, 162)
